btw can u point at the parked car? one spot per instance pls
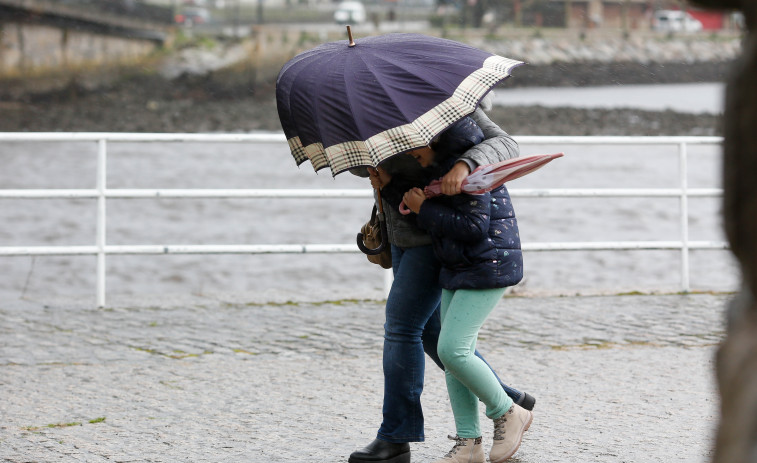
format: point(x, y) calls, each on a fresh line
point(193, 16)
point(350, 13)
point(675, 21)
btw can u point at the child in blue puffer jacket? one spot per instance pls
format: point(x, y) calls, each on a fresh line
point(476, 239)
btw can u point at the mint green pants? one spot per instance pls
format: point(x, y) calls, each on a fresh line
point(469, 379)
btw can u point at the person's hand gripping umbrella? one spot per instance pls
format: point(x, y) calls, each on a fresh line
point(488, 177)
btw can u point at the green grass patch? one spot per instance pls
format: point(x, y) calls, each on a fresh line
point(175, 354)
point(62, 425)
point(52, 426)
point(306, 303)
point(243, 351)
point(601, 345)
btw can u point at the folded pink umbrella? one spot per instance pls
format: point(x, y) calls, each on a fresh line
point(488, 177)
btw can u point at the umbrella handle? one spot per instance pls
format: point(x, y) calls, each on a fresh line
point(404, 210)
point(372, 252)
point(382, 227)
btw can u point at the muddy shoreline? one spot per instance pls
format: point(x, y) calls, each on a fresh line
point(220, 103)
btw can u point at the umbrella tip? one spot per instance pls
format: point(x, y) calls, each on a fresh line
point(349, 35)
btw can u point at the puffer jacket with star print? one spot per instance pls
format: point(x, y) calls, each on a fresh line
point(476, 238)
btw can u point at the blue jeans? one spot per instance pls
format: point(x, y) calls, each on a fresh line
point(412, 327)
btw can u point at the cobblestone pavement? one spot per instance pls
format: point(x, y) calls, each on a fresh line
point(617, 379)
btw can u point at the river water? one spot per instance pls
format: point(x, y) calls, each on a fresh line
point(297, 221)
point(706, 97)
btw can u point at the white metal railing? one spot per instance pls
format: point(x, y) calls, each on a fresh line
point(101, 193)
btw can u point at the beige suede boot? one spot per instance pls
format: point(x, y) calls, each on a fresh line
point(508, 432)
point(465, 451)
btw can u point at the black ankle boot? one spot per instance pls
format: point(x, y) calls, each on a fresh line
point(527, 401)
point(380, 451)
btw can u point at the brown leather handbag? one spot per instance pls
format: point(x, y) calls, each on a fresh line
point(371, 238)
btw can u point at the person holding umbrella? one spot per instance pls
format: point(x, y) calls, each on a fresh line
point(359, 104)
point(477, 241)
point(415, 295)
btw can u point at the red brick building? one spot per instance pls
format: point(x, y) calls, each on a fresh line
point(630, 14)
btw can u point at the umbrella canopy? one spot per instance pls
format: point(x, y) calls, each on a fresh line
point(344, 104)
point(490, 176)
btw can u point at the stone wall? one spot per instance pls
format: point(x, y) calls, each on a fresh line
point(642, 57)
point(30, 50)
point(36, 58)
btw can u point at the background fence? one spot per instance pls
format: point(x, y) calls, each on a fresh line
point(101, 194)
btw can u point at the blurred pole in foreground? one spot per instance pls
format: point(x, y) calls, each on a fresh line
point(236, 19)
point(736, 363)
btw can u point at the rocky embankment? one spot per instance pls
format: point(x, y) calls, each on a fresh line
point(603, 47)
point(184, 95)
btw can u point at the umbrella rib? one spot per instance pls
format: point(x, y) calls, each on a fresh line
point(326, 63)
point(397, 65)
point(346, 86)
point(381, 84)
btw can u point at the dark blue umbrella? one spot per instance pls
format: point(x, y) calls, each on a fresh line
point(344, 104)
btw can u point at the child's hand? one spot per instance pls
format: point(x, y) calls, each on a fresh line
point(453, 180)
point(414, 199)
point(379, 177)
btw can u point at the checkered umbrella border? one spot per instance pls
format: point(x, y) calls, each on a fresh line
point(417, 133)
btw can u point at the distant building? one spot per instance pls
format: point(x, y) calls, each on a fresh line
point(629, 14)
point(590, 14)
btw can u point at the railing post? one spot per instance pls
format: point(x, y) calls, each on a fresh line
point(101, 185)
point(684, 180)
point(388, 280)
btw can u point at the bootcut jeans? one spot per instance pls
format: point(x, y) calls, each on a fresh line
point(412, 327)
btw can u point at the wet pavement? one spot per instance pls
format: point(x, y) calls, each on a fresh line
point(231, 379)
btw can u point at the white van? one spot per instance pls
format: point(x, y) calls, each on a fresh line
point(675, 21)
point(350, 13)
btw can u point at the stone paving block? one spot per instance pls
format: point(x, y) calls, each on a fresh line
point(617, 378)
